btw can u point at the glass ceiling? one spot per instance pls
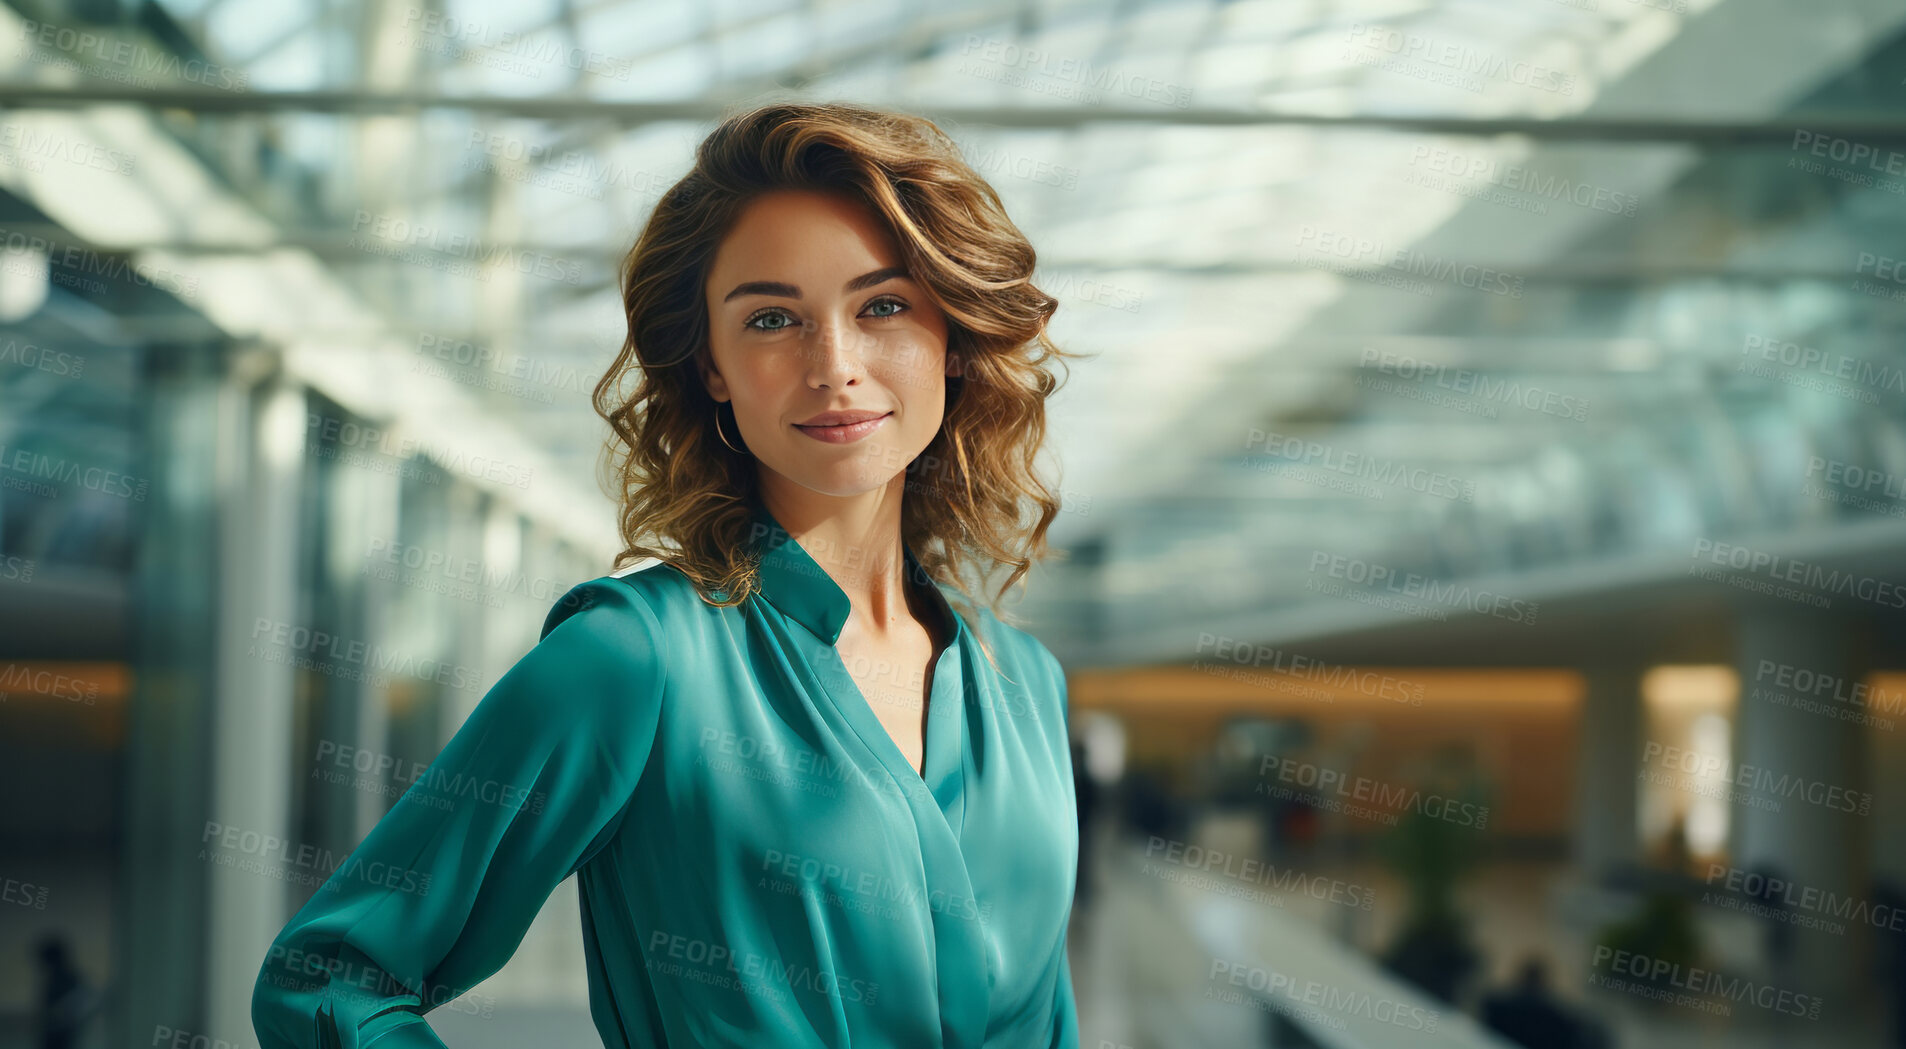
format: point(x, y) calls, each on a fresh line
point(1465, 290)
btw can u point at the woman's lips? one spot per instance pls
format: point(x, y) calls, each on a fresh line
point(843, 434)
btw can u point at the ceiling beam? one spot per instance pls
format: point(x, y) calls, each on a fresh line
point(1868, 129)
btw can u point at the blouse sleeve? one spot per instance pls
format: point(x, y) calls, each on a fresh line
point(439, 894)
point(1065, 1011)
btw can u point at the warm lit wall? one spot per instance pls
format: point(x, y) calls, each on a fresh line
point(61, 724)
point(1520, 723)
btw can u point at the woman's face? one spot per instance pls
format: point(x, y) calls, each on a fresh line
point(811, 312)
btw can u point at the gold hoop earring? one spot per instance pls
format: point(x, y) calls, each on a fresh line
point(723, 436)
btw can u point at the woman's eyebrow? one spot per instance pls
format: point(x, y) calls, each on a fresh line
point(789, 291)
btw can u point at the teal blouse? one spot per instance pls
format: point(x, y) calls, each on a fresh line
point(757, 862)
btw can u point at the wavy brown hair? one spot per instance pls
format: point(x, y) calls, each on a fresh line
point(974, 500)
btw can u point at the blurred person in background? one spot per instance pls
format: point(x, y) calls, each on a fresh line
point(66, 1001)
point(1086, 787)
point(1530, 1015)
point(1777, 930)
point(1890, 954)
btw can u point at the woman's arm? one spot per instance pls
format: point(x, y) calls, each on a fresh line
point(440, 892)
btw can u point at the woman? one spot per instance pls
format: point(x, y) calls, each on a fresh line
point(807, 802)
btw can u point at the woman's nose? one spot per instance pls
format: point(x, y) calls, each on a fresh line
point(834, 352)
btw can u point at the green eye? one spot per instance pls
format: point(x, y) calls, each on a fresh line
point(764, 315)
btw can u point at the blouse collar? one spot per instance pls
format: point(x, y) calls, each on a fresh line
point(792, 581)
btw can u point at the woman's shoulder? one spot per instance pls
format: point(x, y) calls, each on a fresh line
point(646, 597)
point(614, 633)
point(999, 633)
point(1022, 655)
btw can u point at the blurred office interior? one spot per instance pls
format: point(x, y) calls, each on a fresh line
point(1482, 572)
